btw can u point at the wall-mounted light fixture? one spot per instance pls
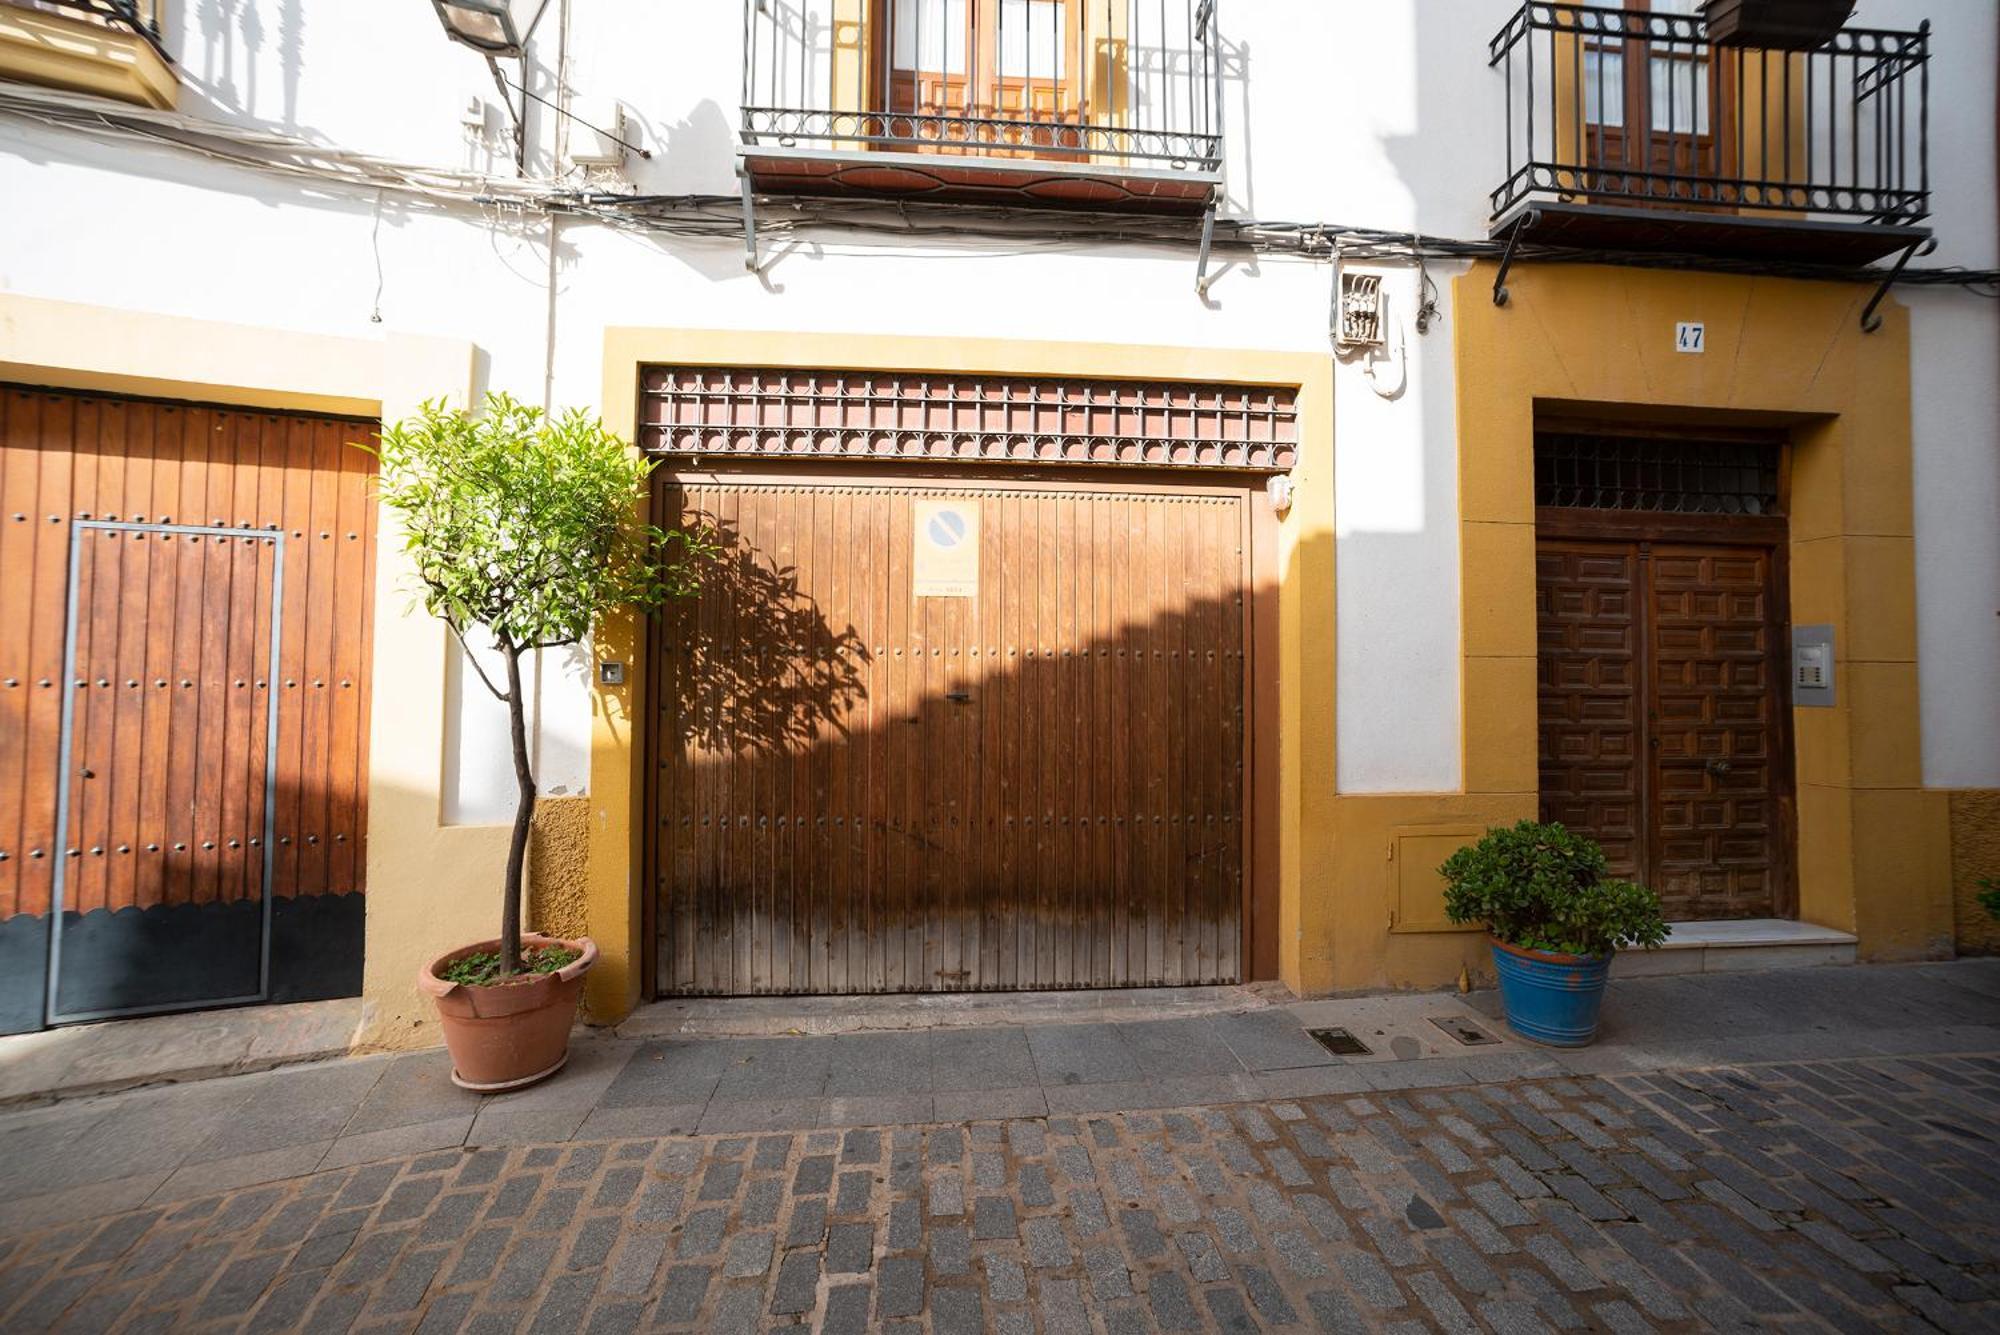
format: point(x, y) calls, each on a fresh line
point(498, 30)
point(1278, 490)
point(492, 27)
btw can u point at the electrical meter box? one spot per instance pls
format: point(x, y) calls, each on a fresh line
point(1812, 666)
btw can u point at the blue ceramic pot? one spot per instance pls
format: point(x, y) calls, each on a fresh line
point(1551, 998)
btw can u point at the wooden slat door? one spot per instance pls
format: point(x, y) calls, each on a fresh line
point(859, 789)
point(171, 779)
point(1661, 717)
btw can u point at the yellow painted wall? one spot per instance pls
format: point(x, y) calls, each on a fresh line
point(1975, 856)
point(1873, 842)
point(1303, 730)
point(558, 867)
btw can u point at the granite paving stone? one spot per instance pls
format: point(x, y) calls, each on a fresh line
point(1856, 1192)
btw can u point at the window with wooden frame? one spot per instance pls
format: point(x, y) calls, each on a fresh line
point(992, 72)
point(1655, 104)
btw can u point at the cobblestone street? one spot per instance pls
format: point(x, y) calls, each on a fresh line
point(1857, 1194)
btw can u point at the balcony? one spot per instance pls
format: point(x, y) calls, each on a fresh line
point(1628, 129)
point(107, 48)
point(1105, 104)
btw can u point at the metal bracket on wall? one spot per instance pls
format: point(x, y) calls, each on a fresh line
point(749, 221)
point(1870, 321)
point(1201, 274)
point(517, 115)
point(1527, 219)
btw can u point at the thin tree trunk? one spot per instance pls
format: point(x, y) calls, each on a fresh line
point(524, 815)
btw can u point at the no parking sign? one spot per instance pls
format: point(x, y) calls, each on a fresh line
point(944, 562)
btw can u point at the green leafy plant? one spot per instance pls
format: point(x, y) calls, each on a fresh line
point(525, 526)
point(1543, 887)
point(1989, 897)
point(482, 967)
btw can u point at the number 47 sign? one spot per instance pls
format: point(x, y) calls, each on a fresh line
point(1688, 336)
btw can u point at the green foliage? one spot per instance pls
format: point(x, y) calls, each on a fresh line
point(1989, 897)
point(1544, 888)
point(526, 524)
point(482, 968)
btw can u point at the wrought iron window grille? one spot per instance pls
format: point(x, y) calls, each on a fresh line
point(697, 413)
point(1666, 475)
point(1621, 106)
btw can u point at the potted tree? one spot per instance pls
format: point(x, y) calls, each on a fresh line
point(1555, 918)
point(522, 527)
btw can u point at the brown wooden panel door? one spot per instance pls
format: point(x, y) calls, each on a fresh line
point(857, 788)
point(1716, 698)
point(1661, 717)
point(1592, 695)
point(178, 759)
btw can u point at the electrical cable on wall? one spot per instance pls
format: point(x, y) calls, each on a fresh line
point(718, 216)
point(375, 245)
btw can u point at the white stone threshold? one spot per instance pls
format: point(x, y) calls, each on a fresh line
point(1738, 945)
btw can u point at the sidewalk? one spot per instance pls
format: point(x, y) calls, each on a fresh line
point(1729, 1173)
point(1808, 1149)
point(91, 1156)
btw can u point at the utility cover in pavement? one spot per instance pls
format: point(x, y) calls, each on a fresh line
point(1471, 1035)
point(1339, 1042)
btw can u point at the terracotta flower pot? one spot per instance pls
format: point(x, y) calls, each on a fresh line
point(513, 1033)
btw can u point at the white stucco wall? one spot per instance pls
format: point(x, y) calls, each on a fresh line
point(1955, 404)
point(1381, 115)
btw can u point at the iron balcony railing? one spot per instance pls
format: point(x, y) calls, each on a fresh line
point(142, 16)
point(1130, 83)
point(1622, 107)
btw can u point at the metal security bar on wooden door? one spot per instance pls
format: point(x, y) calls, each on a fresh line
point(167, 788)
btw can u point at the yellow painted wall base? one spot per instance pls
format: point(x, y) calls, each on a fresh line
point(558, 870)
point(1975, 855)
point(1387, 925)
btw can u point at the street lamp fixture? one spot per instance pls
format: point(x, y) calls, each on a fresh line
point(497, 28)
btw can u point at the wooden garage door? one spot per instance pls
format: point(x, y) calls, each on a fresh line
point(1662, 719)
point(1035, 781)
point(191, 542)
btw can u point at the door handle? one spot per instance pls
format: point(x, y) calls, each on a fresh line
point(1717, 767)
point(958, 697)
